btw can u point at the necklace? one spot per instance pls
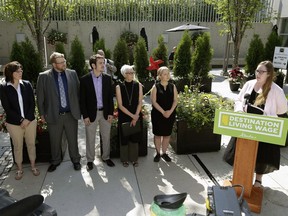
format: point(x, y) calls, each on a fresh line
point(131, 96)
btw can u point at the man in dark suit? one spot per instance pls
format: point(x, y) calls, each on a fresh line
point(96, 103)
point(58, 103)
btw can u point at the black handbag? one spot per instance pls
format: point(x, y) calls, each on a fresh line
point(128, 130)
point(230, 151)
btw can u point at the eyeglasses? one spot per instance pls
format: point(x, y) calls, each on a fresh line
point(63, 62)
point(260, 71)
point(130, 73)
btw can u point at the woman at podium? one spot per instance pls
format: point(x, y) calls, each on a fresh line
point(262, 96)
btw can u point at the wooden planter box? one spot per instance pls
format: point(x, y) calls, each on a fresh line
point(186, 140)
point(115, 145)
point(43, 151)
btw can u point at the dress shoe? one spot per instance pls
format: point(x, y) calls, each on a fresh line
point(109, 162)
point(89, 166)
point(77, 166)
point(52, 167)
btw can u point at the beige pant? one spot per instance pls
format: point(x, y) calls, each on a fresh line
point(17, 134)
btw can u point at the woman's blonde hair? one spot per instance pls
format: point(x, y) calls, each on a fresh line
point(261, 98)
point(161, 70)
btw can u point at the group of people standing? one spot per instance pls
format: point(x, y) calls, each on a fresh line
point(62, 99)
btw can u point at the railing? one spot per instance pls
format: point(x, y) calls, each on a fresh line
point(134, 10)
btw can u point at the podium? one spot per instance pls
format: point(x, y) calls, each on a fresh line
point(249, 129)
point(243, 172)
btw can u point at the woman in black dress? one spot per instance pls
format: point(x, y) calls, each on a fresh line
point(129, 95)
point(265, 98)
point(164, 101)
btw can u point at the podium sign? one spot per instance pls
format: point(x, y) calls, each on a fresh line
point(251, 126)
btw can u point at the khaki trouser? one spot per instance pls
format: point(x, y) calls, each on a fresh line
point(17, 134)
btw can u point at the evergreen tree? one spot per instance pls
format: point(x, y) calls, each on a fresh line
point(272, 41)
point(77, 58)
point(141, 60)
point(59, 47)
point(201, 58)
point(182, 58)
point(161, 52)
point(100, 44)
point(254, 55)
point(28, 58)
point(121, 56)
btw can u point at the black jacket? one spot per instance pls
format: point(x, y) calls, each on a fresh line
point(10, 102)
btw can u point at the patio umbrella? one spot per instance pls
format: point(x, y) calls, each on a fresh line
point(188, 27)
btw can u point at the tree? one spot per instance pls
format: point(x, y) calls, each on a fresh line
point(121, 55)
point(254, 56)
point(100, 44)
point(182, 58)
point(272, 41)
point(33, 14)
point(77, 57)
point(161, 52)
point(237, 16)
point(141, 60)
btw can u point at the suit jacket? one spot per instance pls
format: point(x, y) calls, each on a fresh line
point(48, 95)
point(88, 100)
point(10, 102)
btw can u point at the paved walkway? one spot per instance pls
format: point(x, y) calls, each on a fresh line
point(123, 191)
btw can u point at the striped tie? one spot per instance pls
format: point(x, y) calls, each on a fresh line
point(62, 92)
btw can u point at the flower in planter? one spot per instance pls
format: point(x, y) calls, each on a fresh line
point(236, 75)
point(198, 109)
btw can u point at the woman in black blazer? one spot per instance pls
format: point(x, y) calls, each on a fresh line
point(18, 101)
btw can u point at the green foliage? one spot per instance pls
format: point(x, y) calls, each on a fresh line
point(26, 55)
point(121, 56)
point(198, 109)
point(272, 41)
point(161, 52)
point(131, 40)
point(77, 58)
point(141, 60)
point(59, 47)
point(201, 58)
point(100, 44)
point(254, 55)
point(182, 57)
point(55, 36)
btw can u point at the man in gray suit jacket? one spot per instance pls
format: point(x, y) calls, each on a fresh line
point(58, 104)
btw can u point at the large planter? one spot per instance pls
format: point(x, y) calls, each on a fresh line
point(115, 145)
point(43, 151)
point(234, 86)
point(186, 140)
point(206, 85)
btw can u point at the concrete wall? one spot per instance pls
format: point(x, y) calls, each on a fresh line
point(111, 31)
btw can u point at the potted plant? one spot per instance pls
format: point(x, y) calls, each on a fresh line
point(56, 36)
point(193, 129)
point(236, 78)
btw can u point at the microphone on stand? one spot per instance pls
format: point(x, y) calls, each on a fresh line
point(247, 97)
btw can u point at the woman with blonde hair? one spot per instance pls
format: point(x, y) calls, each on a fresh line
point(164, 101)
point(262, 96)
point(129, 95)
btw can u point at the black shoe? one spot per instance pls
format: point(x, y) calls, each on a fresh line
point(52, 167)
point(77, 166)
point(89, 166)
point(109, 162)
point(166, 157)
point(157, 157)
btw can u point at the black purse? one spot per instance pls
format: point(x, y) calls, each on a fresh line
point(128, 130)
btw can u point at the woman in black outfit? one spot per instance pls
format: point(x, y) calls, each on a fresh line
point(164, 101)
point(129, 95)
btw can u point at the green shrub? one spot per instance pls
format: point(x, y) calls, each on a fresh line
point(100, 44)
point(131, 40)
point(182, 58)
point(55, 36)
point(272, 41)
point(59, 47)
point(201, 58)
point(161, 52)
point(77, 58)
point(121, 56)
point(26, 55)
point(254, 55)
point(141, 60)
